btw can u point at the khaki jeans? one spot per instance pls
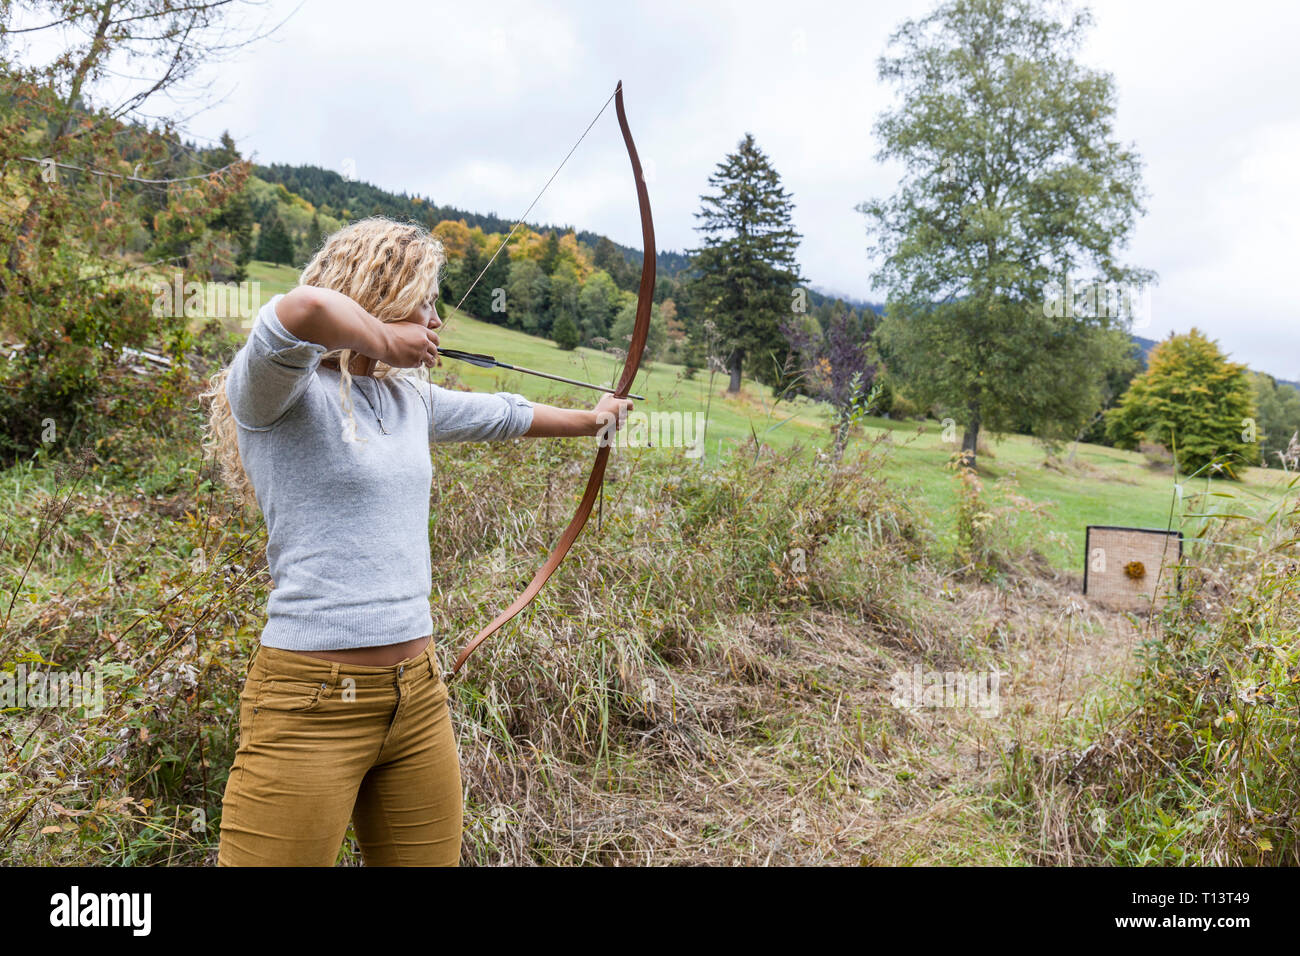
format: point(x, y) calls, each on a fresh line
point(321, 742)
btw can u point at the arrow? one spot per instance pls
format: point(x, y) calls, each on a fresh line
point(487, 361)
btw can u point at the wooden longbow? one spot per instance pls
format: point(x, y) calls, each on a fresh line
point(632, 363)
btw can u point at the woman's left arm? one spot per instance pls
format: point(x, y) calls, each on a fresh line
point(480, 416)
point(552, 422)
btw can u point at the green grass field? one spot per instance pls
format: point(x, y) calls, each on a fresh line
point(1104, 486)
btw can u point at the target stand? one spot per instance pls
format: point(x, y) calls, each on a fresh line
point(1126, 568)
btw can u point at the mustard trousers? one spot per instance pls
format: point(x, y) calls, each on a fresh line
point(322, 743)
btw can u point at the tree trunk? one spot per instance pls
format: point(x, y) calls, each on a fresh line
point(734, 365)
point(1079, 437)
point(970, 440)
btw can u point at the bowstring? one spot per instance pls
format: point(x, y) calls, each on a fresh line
point(520, 222)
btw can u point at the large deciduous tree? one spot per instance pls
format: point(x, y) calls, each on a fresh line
point(526, 294)
point(598, 304)
point(1013, 184)
point(745, 275)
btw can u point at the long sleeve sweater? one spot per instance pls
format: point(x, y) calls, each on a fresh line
point(347, 521)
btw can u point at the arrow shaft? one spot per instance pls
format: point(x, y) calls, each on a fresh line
point(567, 381)
point(482, 360)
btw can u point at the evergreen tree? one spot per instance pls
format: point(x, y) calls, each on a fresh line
point(275, 244)
point(314, 236)
point(746, 274)
point(226, 153)
point(478, 299)
point(551, 255)
point(607, 258)
point(236, 220)
point(235, 217)
point(493, 299)
point(1193, 398)
point(565, 333)
point(562, 296)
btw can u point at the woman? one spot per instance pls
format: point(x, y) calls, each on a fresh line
point(344, 712)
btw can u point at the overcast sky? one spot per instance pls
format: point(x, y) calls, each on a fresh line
point(473, 104)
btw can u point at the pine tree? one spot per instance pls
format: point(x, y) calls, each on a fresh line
point(236, 220)
point(314, 235)
point(746, 274)
point(492, 298)
point(607, 257)
point(551, 255)
point(1193, 399)
point(275, 244)
point(466, 272)
point(565, 333)
point(226, 153)
point(562, 296)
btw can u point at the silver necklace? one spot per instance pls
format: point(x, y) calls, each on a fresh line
point(379, 394)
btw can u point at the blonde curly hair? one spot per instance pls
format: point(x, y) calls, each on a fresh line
point(389, 268)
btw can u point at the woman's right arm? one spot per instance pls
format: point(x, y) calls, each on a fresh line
point(291, 333)
point(335, 321)
point(330, 319)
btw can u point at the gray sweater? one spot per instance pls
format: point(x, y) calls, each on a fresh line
point(347, 521)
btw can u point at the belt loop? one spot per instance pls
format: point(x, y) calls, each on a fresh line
point(334, 677)
point(428, 660)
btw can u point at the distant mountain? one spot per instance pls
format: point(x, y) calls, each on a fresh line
point(1147, 344)
point(344, 198)
point(859, 305)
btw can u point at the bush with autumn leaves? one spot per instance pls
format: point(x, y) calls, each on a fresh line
point(1193, 401)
